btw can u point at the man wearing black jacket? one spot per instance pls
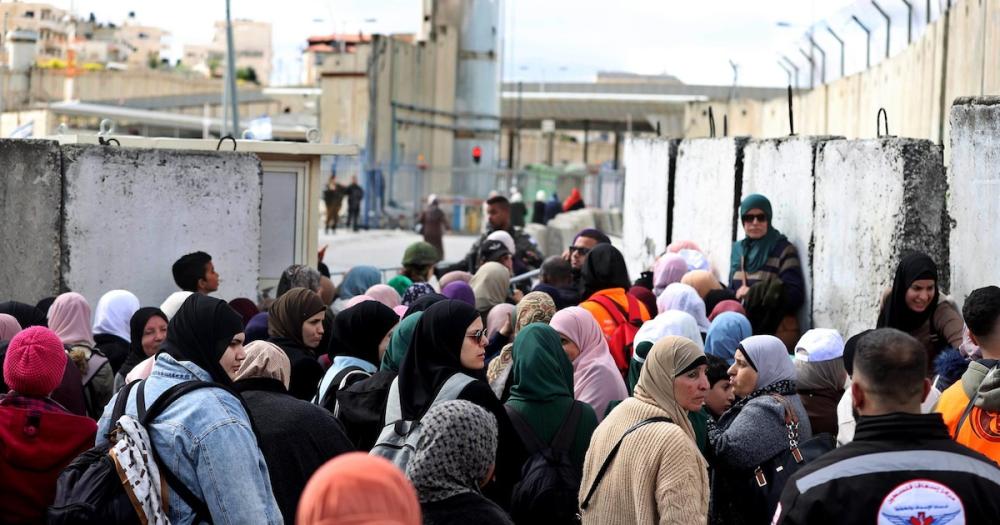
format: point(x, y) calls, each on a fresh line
point(902, 467)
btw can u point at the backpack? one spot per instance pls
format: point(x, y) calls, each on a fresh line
point(621, 340)
point(361, 406)
point(547, 492)
point(345, 378)
point(96, 361)
point(98, 487)
point(399, 437)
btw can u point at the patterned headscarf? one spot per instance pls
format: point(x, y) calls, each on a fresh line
point(416, 291)
point(455, 451)
point(536, 307)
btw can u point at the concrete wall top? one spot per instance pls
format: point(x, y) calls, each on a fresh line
point(649, 162)
point(974, 194)
point(30, 207)
point(875, 200)
point(707, 186)
point(130, 213)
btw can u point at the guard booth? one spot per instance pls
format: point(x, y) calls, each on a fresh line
point(290, 189)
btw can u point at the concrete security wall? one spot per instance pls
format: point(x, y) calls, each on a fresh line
point(30, 201)
point(974, 196)
point(130, 213)
point(875, 200)
point(707, 183)
point(783, 171)
point(652, 159)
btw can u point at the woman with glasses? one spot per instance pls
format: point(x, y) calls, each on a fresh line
point(766, 274)
point(450, 339)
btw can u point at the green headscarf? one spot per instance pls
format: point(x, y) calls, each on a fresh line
point(399, 341)
point(543, 378)
point(754, 252)
point(400, 283)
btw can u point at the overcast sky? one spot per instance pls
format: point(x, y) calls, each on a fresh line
point(548, 40)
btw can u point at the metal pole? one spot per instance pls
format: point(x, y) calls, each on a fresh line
point(928, 12)
point(888, 26)
point(794, 67)
point(812, 67)
point(868, 41)
point(822, 54)
point(231, 73)
point(787, 71)
point(909, 21)
point(841, 49)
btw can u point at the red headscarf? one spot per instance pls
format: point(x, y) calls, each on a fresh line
point(728, 305)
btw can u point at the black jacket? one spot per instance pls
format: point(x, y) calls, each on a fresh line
point(306, 370)
point(462, 509)
point(296, 438)
point(114, 348)
point(900, 468)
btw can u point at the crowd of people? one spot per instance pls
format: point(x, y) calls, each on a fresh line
point(452, 395)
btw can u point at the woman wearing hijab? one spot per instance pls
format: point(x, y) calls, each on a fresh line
point(26, 314)
point(657, 475)
point(451, 277)
point(385, 294)
point(605, 280)
point(753, 430)
point(205, 435)
point(295, 323)
point(766, 256)
point(296, 437)
point(682, 297)
point(914, 305)
point(245, 307)
point(543, 394)
point(536, 307)
point(356, 282)
point(69, 318)
point(491, 286)
point(820, 377)
point(9, 327)
point(358, 489)
point(449, 340)
point(360, 337)
point(147, 329)
point(726, 306)
point(669, 269)
point(415, 292)
point(111, 325)
point(455, 458)
point(596, 380)
point(702, 281)
point(725, 334)
point(459, 291)
point(714, 297)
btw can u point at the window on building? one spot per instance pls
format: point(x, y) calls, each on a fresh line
point(29, 14)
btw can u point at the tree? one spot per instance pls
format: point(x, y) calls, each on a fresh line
point(247, 74)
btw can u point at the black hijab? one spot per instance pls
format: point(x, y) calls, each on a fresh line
point(26, 314)
point(201, 331)
point(895, 313)
point(850, 348)
point(358, 330)
point(434, 355)
point(423, 303)
point(604, 269)
point(137, 325)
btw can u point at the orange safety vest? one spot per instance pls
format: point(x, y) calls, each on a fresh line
point(981, 429)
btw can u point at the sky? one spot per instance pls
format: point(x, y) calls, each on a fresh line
point(571, 40)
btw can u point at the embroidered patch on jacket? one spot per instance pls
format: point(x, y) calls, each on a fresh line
point(921, 502)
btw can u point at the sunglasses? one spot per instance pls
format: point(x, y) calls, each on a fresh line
point(579, 249)
point(755, 217)
point(478, 334)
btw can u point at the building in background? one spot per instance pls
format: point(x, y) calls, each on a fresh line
point(50, 23)
point(330, 52)
point(253, 52)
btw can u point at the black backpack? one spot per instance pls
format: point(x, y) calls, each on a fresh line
point(361, 407)
point(547, 492)
point(90, 491)
point(345, 378)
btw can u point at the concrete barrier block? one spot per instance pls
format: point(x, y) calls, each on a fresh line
point(783, 171)
point(974, 194)
point(649, 168)
point(130, 213)
point(30, 210)
point(540, 234)
point(875, 200)
point(707, 189)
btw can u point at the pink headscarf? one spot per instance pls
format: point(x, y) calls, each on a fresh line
point(498, 315)
point(677, 246)
point(400, 310)
point(669, 269)
point(384, 294)
point(9, 327)
point(358, 299)
point(728, 305)
point(69, 318)
point(596, 379)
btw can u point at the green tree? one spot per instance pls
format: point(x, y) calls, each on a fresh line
point(247, 74)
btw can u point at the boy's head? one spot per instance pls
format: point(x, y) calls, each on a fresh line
point(195, 272)
point(982, 313)
point(720, 392)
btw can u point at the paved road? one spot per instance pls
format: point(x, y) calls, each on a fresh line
point(380, 248)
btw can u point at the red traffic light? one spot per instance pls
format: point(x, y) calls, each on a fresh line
point(477, 154)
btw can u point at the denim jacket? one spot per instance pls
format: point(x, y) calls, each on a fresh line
point(206, 440)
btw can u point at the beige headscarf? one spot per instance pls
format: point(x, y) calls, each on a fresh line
point(536, 307)
point(668, 357)
point(265, 360)
point(491, 285)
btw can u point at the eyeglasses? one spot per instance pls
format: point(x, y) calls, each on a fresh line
point(582, 250)
point(754, 217)
point(477, 335)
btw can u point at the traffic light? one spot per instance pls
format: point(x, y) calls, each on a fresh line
point(477, 154)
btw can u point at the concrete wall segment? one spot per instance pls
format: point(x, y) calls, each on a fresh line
point(645, 212)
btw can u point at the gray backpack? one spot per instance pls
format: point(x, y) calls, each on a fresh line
point(399, 437)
